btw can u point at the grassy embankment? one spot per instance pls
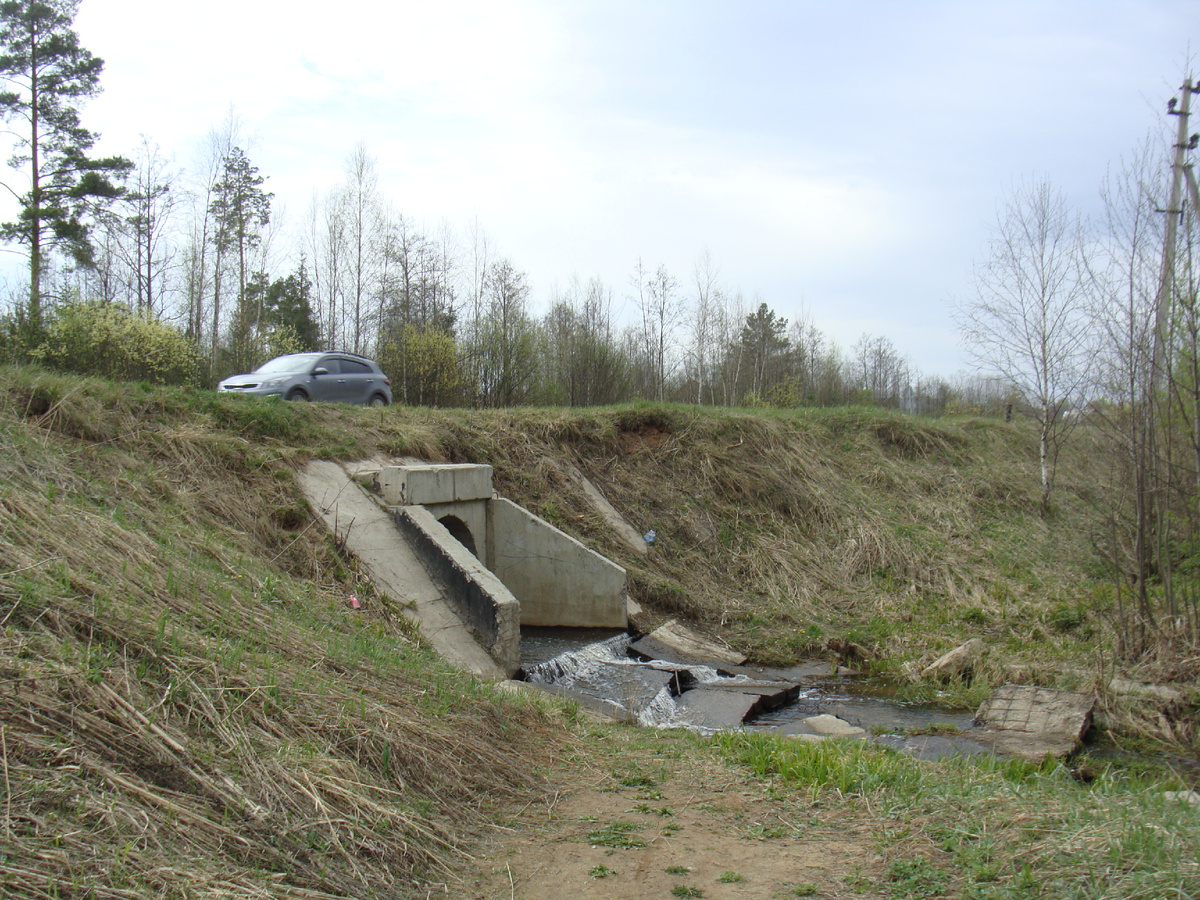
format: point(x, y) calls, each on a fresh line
point(190, 705)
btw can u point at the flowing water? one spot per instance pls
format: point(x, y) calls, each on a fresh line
point(597, 670)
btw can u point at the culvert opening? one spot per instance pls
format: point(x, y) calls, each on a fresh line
point(460, 532)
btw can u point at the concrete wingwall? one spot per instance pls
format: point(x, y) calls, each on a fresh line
point(488, 606)
point(558, 581)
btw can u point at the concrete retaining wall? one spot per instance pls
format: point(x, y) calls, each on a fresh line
point(558, 580)
point(488, 607)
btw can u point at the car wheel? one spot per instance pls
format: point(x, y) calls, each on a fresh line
point(379, 400)
point(296, 394)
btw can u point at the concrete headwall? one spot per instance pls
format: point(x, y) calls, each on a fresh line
point(445, 483)
point(558, 581)
point(486, 604)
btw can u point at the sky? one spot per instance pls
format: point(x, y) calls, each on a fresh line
point(841, 161)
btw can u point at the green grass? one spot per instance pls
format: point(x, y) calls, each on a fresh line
point(618, 836)
point(1006, 827)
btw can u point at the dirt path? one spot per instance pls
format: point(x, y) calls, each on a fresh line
point(670, 821)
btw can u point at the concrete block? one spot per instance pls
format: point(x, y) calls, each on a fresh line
point(472, 482)
point(419, 485)
point(1033, 722)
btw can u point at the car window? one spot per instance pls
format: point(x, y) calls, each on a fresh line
point(296, 362)
point(331, 363)
point(354, 367)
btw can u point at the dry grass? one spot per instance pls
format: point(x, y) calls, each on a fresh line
point(187, 705)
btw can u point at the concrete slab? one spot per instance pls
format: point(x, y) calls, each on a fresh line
point(559, 581)
point(717, 705)
point(716, 709)
point(476, 594)
point(677, 643)
point(369, 533)
point(629, 535)
point(1034, 722)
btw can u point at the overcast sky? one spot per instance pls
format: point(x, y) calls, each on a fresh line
point(843, 159)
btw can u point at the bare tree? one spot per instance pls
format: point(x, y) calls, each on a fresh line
point(359, 202)
point(703, 322)
point(661, 311)
point(1028, 320)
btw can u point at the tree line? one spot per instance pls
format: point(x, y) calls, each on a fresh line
point(139, 270)
point(450, 319)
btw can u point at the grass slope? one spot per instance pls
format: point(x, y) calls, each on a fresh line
point(189, 706)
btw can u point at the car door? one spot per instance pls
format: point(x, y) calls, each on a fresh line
point(360, 380)
point(328, 386)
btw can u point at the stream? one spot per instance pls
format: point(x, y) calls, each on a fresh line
point(597, 669)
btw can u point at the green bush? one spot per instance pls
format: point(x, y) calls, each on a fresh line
point(105, 339)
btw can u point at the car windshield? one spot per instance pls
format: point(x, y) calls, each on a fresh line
point(295, 362)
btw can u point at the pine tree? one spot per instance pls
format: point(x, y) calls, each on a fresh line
point(47, 75)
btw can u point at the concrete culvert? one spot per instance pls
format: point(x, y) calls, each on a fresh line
point(460, 532)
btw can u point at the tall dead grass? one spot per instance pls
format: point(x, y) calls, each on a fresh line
point(188, 706)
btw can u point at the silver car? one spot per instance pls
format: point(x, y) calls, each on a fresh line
point(329, 377)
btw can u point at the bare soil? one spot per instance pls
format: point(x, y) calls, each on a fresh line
point(708, 831)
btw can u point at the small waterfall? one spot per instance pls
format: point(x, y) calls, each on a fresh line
point(661, 712)
point(562, 670)
point(645, 691)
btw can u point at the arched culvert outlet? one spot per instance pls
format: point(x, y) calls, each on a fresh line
point(460, 532)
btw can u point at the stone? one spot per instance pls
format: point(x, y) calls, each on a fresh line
point(832, 726)
point(958, 663)
point(1191, 798)
point(1034, 722)
point(1167, 696)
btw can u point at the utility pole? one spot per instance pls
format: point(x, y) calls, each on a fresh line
point(1162, 304)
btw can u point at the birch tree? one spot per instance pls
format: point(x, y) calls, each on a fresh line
point(1028, 320)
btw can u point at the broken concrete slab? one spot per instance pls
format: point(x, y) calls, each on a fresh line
point(958, 663)
point(1034, 722)
point(727, 705)
point(677, 643)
